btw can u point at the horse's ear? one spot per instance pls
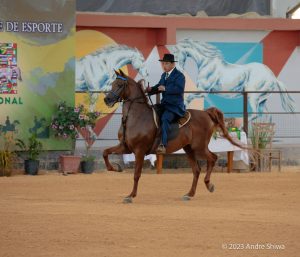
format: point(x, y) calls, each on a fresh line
point(122, 73)
point(116, 72)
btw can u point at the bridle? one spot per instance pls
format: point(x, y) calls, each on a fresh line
point(116, 95)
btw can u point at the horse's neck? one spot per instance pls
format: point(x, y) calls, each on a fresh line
point(135, 110)
point(136, 96)
point(137, 115)
point(136, 92)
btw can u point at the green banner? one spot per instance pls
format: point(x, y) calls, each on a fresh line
point(37, 66)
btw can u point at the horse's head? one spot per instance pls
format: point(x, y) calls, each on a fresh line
point(118, 90)
point(125, 88)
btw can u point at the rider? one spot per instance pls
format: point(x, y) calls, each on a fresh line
point(171, 85)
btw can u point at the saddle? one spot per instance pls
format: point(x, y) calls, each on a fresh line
point(180, 122)
point(174, 128)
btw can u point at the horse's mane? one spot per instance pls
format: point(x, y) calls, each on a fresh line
point(210, 50)
point(140, 86)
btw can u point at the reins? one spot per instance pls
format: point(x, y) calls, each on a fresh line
point(131, 101)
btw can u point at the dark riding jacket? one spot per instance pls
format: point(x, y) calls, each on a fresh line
point(173, 96)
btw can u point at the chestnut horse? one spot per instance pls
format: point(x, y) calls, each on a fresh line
point(139, 135)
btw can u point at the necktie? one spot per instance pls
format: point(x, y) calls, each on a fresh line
point(167, 75)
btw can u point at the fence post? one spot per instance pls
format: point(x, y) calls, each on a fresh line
point(245, 111)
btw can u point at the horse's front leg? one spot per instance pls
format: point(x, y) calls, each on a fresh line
point(139, 160)
point(119, 149)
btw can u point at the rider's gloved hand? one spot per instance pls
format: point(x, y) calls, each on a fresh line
point(161, 88)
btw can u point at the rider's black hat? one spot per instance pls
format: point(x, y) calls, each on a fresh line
point(168, 58)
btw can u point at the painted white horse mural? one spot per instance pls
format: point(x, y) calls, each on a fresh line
point(215, 74)
point(95, 71)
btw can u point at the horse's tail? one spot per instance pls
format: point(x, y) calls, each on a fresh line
point(287, 101)
point(218, 118)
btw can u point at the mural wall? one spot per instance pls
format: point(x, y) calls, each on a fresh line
point(270, 60)
point(210, 60)
point(37, 66)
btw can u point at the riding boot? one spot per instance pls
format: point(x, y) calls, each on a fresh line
point(161, 149)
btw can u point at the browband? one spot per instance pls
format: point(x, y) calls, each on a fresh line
point(120, 77)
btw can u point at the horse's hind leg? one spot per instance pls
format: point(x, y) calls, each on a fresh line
point(211, 160)
point(196, 172)
point(119, 149)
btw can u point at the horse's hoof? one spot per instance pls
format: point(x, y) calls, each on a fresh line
point(127, 199)
point(211, 188)
point(117, 167)
point(186, 198)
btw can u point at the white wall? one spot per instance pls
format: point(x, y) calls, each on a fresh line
point(279, 8)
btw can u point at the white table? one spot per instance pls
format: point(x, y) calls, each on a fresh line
point(131, 158)
point(223, 145)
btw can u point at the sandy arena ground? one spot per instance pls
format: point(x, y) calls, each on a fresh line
point(83, 215)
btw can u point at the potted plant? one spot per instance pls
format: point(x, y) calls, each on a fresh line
point(33, 149)
point(66, 124)
point(7, 155)
point(87, 164)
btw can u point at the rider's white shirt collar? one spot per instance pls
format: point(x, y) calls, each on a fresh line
point(169, 73)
